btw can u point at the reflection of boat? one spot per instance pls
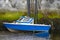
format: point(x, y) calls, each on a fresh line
point(43, 35)
point(27, 24)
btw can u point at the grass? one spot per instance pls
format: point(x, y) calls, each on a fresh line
point(14, 15)
point(10, 15)
point(54, 14)
point(49, 14)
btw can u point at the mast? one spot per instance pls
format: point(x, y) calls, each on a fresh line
point(28, 7)
point(36, 13)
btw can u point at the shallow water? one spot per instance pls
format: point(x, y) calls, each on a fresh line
point(29, 36)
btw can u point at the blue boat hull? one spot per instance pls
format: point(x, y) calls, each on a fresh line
point(28, 27)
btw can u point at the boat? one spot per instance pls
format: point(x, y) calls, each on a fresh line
point(26, 24)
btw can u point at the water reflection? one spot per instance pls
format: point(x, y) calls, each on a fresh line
point(29, 36)
point(55, 35)
point(25, 36)
point(43, 35)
